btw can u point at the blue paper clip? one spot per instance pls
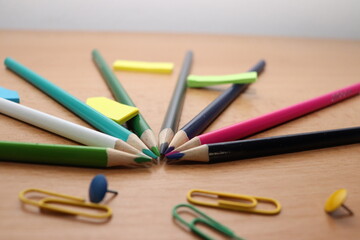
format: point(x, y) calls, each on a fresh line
point(205, 220)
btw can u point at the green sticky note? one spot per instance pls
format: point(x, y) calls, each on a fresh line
point(204, 81)
point(116, 111)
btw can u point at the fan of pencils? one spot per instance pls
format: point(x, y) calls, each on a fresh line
point(115, 145)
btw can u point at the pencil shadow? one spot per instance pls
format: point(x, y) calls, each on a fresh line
point(212, 88)
point(182, 163)
point(50, 167)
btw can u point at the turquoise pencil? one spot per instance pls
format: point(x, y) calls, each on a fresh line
point(81, 109)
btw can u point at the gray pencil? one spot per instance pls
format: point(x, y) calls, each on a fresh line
point(172, 117)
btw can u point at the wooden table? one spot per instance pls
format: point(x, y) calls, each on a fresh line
point(297, 70)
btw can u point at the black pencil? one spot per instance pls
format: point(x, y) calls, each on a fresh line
point(172, 117)
point(252, 148)
point(201, 121)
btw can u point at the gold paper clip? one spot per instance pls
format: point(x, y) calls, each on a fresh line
point(238, 202)
point(49, 203)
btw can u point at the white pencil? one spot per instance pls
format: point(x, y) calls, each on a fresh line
point(64, 128)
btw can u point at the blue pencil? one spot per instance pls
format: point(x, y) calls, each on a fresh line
point(84, 111)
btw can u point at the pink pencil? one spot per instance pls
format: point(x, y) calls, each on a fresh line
point(249, 127)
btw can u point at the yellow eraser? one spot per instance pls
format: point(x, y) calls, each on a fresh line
point(116, 111)
point(155, 67)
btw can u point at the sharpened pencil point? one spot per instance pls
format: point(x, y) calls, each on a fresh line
point(142, 159)
point(170, 153)
point(169, 150)
point(163, 148)
point(176, 155)
point(156, 151)
point(149, 153)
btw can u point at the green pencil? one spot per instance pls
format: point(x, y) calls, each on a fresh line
point(80, 156)
point(138, 123)
point(84, 111)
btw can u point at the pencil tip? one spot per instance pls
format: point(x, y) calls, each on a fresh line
point(142, 159)
point(175, 155)
point(169, 150)
point(156, 151)
point(170, 153)
point(149, 153)
point(163, 148)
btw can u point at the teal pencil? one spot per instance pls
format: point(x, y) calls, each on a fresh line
point(81, 109)
point(80, 156)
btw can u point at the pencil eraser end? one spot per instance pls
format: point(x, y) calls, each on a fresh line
point(9, 95)
point(116, 111)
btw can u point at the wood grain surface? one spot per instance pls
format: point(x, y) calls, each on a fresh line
point(297, 70)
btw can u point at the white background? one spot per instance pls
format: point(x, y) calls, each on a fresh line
point(306, 18)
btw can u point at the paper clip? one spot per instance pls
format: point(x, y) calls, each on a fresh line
point(49, 203)
point(244, 203)
point(206, 221)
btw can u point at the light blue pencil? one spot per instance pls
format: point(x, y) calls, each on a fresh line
point(84, 111)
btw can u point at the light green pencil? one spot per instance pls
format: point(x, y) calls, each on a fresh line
point(78, 107)
point(81, 156)
point(138, 123)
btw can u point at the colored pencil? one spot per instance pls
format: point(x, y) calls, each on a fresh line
point(252, 126)
point(81, 156)
point(138, 124)
point(78, 107)
point(173, 113)
point(261, 147)
point(64, 128)
point(201, 121)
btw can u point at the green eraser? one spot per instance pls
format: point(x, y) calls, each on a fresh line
point(116, 111)
point(9, 95)
point(204, 81)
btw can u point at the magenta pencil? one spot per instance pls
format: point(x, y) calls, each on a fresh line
point(252, 126)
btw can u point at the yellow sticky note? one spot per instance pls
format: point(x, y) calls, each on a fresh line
point(155, 67)
point(116, 111)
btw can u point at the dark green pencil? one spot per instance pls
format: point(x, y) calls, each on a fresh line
point(138, 124)
point(80, 156)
